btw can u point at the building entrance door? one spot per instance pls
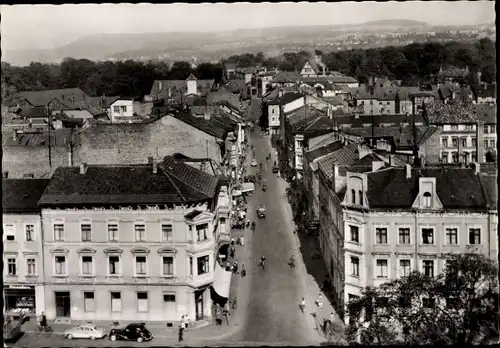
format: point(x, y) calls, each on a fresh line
point(198, 300)
point(63, 304)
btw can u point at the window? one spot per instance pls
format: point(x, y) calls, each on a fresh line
point(86, 232)
point(427, 198)
point(355, 266)
point(30, 233)
point(116, 302)
point(454, 157)
point(469, 127)
point(360, 197)
point(463, 142)
point(203, 264)
point(381, 235)
point(169, 297)
point(444, 157)
point(454, 142)
point(428, 268)
point(454, 127)
point(140, 233)
point(486, 144)
point(123, 108)
point(202, 232)
point(486, 129)
point(354, 233)
point(88, 301)
point(474, 142)
point(272, 111)
point(451, 236)
point(445, 142)
point(142, 302)
point(31, 267)
point(87, 265)
point(427, 236)
point(140, 265)
point(404, 235)
point(60, 265)
point(473, 156)
point(190, 265)
point(116, 108)
point(353, 196)
point(59, 232)
point(381, 271)
point(114, 265)
point(404, 267)
point(474, 236)
point(492, 144)
point(10, 233)
point(168, 265)
point(113, 232)
point(12, 266)
point(166, 232)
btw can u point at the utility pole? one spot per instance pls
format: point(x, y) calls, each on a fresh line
point(415, 149)
point(50, 126)
point(372, 91)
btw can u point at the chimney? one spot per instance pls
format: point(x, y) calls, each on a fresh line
point(391, 160)
point(363, 150)
point(329, 112)
point(83, 168)
point(155, 167)
point(477, 167)
point(376, 165)
point(280, 92)
point(70, 156)
point(206, 115)
point(160, 86)
point(335, 175)
point(408, 171)
point(169, 92)
point(5, 175)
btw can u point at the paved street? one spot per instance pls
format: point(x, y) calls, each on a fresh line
point(272, 314)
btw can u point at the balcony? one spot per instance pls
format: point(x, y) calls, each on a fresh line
point(200, 280)
point(130, 280)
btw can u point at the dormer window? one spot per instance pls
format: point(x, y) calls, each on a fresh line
point(353, 196)
point(427, 199)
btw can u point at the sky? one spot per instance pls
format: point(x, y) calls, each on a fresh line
point(48, 26)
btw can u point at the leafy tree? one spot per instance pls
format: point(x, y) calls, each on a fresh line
point(180, 71)
point(459, 306)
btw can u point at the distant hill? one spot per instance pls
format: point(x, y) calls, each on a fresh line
point(186, 45)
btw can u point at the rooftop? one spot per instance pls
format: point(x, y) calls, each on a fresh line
point(201, 124)
point(345, 156)
point(174, 182)
point(287, 98)
point(22, 195)
point(438, 112)
point(457, 188)
point(322, 151)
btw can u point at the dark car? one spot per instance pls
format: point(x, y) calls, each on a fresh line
point(275, 169)
point(132, 332)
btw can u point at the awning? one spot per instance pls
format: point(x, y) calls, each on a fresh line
point(222, 281)
point(247, 187)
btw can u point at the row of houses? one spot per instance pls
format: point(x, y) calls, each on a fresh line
point(121, 242)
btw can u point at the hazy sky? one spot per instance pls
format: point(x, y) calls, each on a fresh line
point(46, 26)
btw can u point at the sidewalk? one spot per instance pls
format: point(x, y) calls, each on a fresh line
point(303, 251)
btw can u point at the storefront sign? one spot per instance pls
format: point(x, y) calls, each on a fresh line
point(21, 287)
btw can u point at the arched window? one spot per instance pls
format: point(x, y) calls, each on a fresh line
point(427, 199)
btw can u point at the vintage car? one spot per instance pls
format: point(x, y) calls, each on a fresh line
point(85, 331)
point(253, 163)
point(261, 211)
point(275, 169)
point(132, 332)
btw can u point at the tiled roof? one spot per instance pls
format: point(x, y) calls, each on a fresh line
point(255, 109)
point(322, 140)
point(346, 156)
point(458, 112)
point(490, 189)
point(286, 77)
point(403, 136)
point(287, 98)
point(22, 195)
point(59, 138)
point(201, 124)
point(174, 182)
point(457, 188)
point(271, 95)
point(319, 124)
point(314, 66)
point(304, 113)
point(358, 121)
point(333, 100)
point(72, 98)
point(322, 151)
point(236, 86)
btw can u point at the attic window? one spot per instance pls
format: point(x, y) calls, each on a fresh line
point(427, 199)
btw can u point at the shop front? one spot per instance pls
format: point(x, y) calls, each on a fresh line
point(20, 299)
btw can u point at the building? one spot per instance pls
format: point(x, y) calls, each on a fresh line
point(285, 103)
point(181, 88)
point(401, 219)
point(487, 94)
point(122, 110)
point(313, 68)
point(22, 245)
point(130, 242)
point(230, 70)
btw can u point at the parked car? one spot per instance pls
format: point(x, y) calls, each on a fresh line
point(132, 332)
point(261, 211)
point(85, 331)
point(253, 163)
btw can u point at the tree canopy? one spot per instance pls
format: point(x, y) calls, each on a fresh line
point(459, 306)
point(411, 64)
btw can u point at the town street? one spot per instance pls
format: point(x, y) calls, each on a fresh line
point(271, 309)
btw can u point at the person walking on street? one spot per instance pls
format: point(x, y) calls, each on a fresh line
point(302, 305)
point(242, 241)
point(232, 252)
point(319, 302)
point(232, 241)
point(235, 265)
point(181, 333)
point(243, 271)
point(234, 303)
point(186, 319)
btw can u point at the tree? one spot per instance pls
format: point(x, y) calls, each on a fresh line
point(459, 306)
point(180, 71)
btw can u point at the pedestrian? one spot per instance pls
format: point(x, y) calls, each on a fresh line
point(181, 333)
point(232, 241)
point(186, 318)
point(325, 325)
point(243, 271)
point(225, 313)
point(242, 241)
point(302, 305)
point(235, 267)
point(234, 303)
point(319, 302)
point(232, 251)
point(331, 318)
point(183, 322)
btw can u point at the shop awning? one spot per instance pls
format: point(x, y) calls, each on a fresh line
point(222, 281)
point(247, 187)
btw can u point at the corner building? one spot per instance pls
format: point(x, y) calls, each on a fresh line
point(130, 242)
